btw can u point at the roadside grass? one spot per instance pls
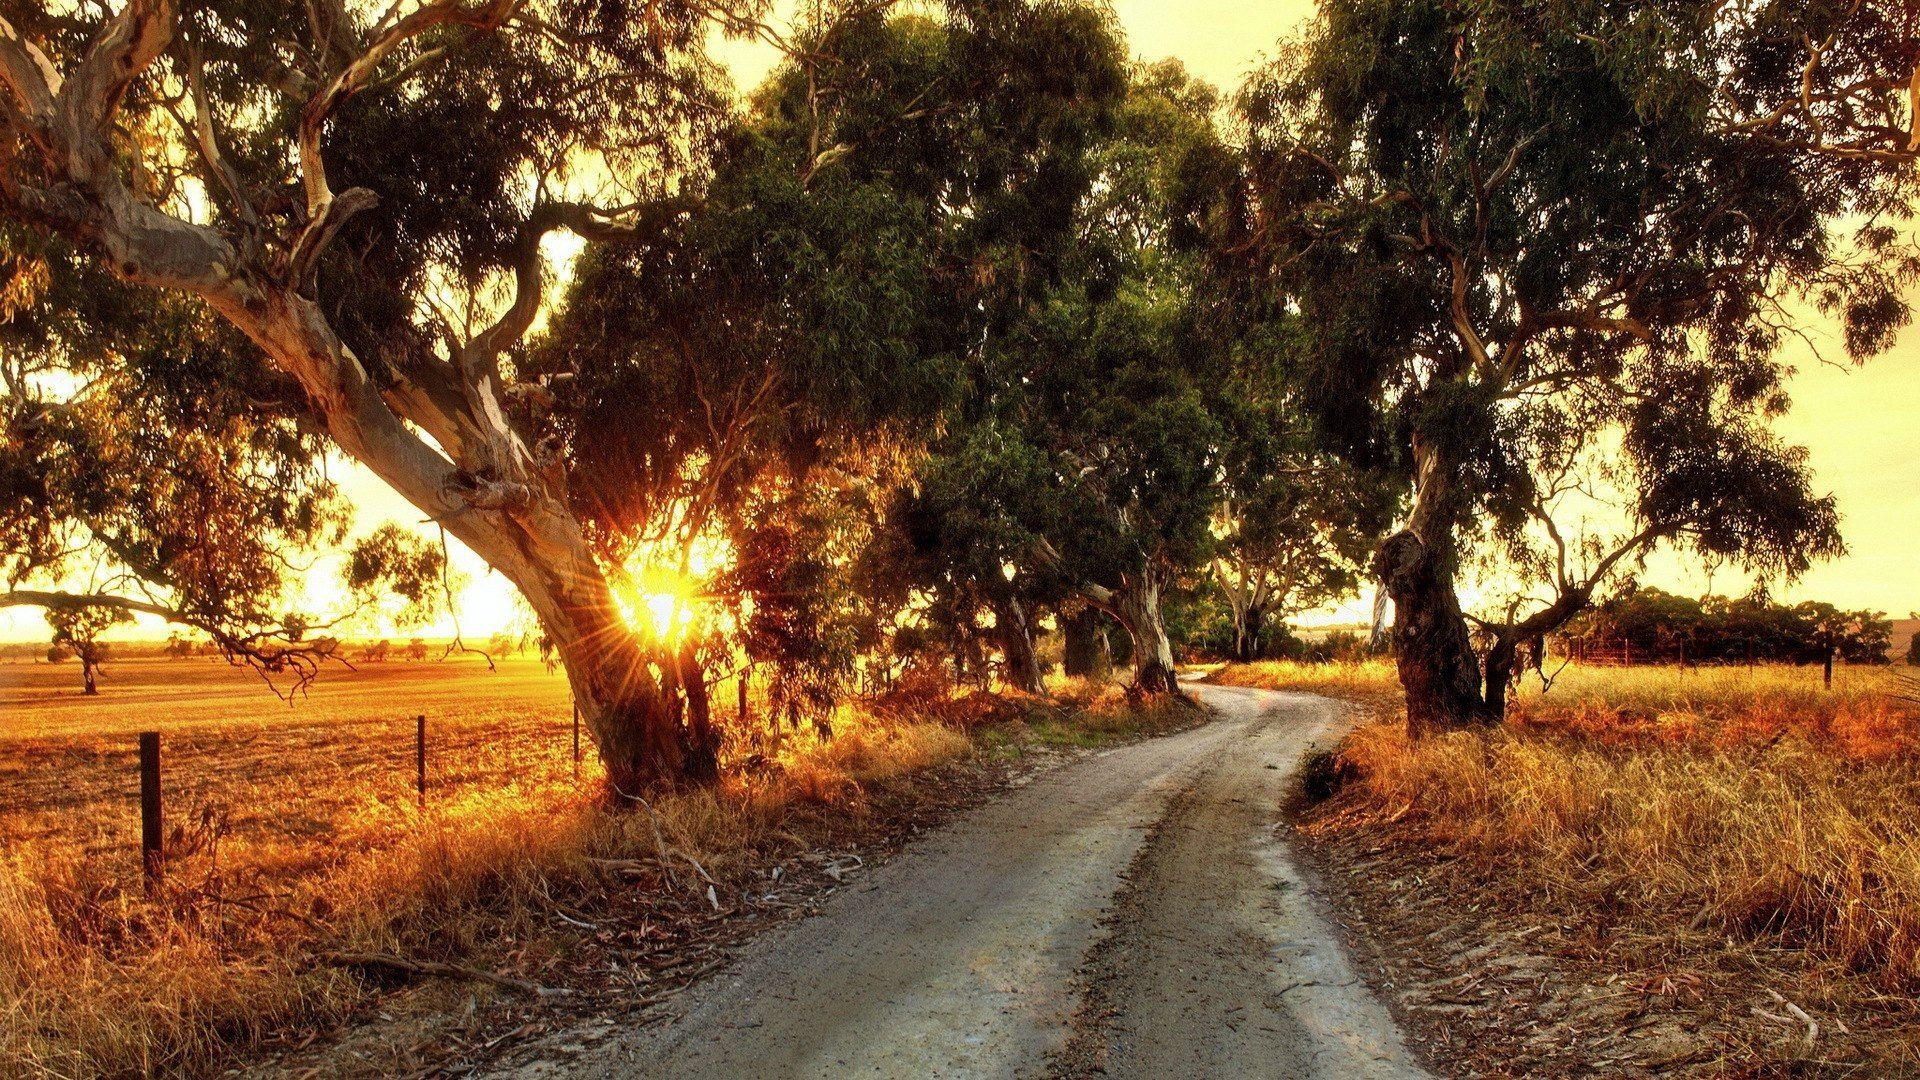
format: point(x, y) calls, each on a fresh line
point(1084, 714)
point(98, 980)
point(1697, 810)
point(1371, 682)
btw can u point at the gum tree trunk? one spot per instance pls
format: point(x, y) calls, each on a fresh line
point(1432, 647)
point(1086, 652)
point(1136, 604)
point(1247, 624)
point(433, 428)
point(1247, 590)
point(1015, 635)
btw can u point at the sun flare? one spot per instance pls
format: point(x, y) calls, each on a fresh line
point(665, 602)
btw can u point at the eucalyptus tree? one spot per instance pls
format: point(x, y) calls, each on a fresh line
point(809, 304)
point(1084, 460)
point(1545, 258)
point(980, 505)
point(1293, 527)
point(148, 466)
point(76, 631)
point(363, 192)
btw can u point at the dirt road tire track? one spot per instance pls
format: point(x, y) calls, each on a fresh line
point(1219, 958)
point(967, 955)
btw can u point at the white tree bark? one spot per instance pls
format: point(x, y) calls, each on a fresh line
point(476, 477)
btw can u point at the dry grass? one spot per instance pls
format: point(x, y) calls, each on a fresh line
point(1370, 680)
point(1864, 717)
point(1750, 805)
point(297, 835)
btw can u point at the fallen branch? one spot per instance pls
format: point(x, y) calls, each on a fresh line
point(633, 867)
point(405, 966)
point(1813, 1026)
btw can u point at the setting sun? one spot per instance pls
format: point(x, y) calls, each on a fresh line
point(664, 601)
point(659, 602)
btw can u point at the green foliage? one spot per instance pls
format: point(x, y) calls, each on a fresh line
point(818, 296)
point(1089, 445)
point(140, 442)
point(1553, 247)
point(393, 562)
point(828, 275)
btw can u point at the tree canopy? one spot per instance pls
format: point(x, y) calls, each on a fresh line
point(962, 326)
point(1546, 257)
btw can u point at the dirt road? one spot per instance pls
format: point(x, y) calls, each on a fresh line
point(1132, 914)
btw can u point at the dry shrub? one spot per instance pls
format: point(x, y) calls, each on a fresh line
point(1099, 710)
point(926, 693)
point(97, 980)
point(1736, 802)
point(130, 992)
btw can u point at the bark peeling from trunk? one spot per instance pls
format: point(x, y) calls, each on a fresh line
point(1014, 632)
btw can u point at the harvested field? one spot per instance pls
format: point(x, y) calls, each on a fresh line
point(339, 757)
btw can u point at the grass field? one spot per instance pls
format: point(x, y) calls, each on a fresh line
point(293, 834)
point(275, 771)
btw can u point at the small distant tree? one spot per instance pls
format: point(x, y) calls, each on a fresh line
point(1293, 530)
point(505, 643)
point(416, 649)
point(77, 630)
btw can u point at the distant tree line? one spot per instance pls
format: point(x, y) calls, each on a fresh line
point(1658, 626)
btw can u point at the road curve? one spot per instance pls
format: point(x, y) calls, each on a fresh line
point(1143, 888)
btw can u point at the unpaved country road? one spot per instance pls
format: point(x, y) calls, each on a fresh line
point(1132, 913)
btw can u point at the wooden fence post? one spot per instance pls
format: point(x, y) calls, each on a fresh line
point(1829, 671)
point(420, 758)
point(743, 698)
point(152, 854)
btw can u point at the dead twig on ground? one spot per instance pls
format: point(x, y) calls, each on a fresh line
point(391, 962)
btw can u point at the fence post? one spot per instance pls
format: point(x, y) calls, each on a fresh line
point(152, 853)
point(576, 740)
point(743, 698)
point(1829, 671)
point(420, 758)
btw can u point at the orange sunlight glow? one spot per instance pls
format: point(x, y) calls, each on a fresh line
point(665, 600)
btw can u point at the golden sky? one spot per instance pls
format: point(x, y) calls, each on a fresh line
point(1861, 426)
